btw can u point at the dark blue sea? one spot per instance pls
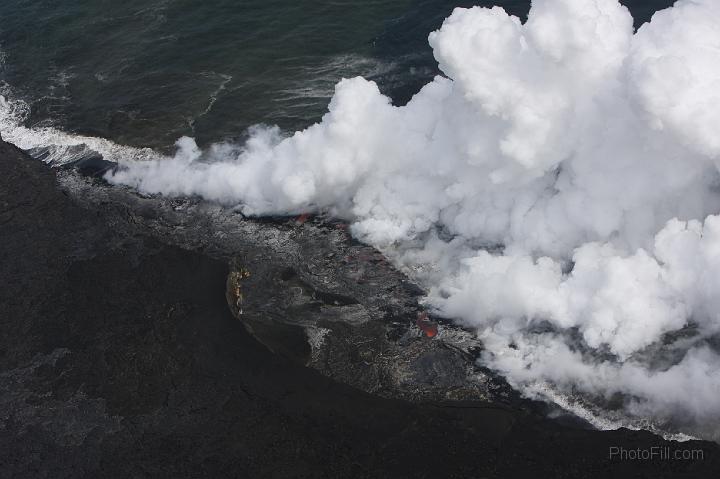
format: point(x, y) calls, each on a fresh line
point(146, 72)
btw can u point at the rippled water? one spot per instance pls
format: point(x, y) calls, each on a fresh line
point(144, 72)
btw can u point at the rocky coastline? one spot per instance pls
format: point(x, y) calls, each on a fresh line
point(150, 337)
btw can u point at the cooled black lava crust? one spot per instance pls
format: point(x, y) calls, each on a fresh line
point(119, 357)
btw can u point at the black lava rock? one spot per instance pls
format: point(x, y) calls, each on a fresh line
point(119, 357)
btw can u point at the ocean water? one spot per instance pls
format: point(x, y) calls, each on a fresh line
point(146, 72)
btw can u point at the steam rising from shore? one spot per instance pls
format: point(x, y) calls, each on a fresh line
point(555, 191)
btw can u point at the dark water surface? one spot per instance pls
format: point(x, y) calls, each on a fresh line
point(144, 72)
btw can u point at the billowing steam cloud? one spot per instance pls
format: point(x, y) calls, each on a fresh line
point(555, 191)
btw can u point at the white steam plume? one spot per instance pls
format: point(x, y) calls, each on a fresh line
point(556, 190)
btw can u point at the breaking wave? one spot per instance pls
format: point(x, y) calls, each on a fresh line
point(55, 146)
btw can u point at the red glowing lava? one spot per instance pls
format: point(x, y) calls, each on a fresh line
point(426, 325)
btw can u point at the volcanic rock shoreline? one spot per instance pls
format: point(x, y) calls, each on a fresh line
point(123, 353)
